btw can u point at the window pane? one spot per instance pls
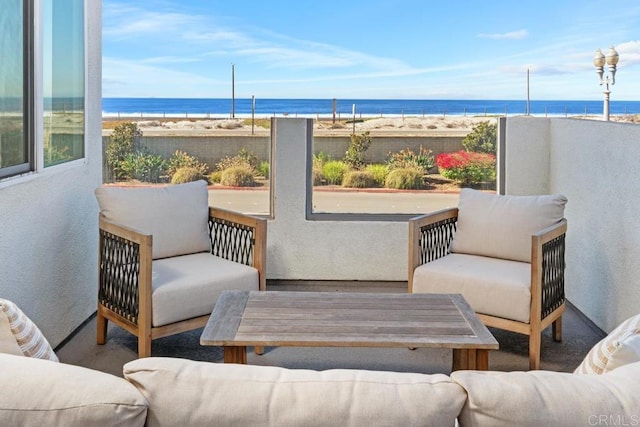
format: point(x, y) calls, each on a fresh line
point(14, 152)
point(63, 81)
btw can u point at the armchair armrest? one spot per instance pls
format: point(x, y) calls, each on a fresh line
point(547, 268)
point(430, 237)
point(124, 270)
point(240, 238)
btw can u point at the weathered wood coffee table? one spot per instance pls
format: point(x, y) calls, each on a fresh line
point(338, 319)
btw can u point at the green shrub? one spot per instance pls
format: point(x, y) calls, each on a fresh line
point(181, 159)
point(467, 168)
point(354, 157)
point(321, 158)
point(237, 176)
point(263, 169)
point(123, 142)
point(482, 138)
point(406, 158)
point(318, 176)
point(379, 173)
point(359, 179)
point(215, 177)
point(186, 174)
point(404, 179)
point(142, 166)
point(244, 158)
point(334, 171)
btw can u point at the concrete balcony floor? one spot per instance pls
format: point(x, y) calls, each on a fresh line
point(579, 335)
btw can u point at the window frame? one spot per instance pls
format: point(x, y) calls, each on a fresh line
point(33, 108)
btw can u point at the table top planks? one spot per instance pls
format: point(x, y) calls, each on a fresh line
point(345, 319)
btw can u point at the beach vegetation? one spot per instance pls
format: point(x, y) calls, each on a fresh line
point(334, 171)
point(404, 179)
point(359, 144)
point(379, 173)
point(263, 123)
point(237, 176)
point(180, 160)
point(422, 160)
point(359, 179)
point(482, 138)
point(123, 142)
point(186, 174)
point(467, 168)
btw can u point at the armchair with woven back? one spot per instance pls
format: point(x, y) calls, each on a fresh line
point(503, 253)
point(165, 256)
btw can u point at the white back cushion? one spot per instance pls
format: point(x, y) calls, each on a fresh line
point(501, 226)
point(176, 215)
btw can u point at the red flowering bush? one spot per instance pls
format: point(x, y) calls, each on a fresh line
point(467, 167)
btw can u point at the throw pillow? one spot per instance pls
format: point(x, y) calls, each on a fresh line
point(177, 216)
point(501, 226)
point(619, 348)
point(29, 338)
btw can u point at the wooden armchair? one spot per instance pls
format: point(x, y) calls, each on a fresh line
point(507, 292)
point(164, 258)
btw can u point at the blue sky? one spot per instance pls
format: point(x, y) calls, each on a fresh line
point(403, 49)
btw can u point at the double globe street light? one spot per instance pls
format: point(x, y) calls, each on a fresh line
point(611, 59)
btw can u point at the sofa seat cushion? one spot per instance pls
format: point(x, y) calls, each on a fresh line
point(492, 286)
point(183, 392)
point(43, 393)
point(501, 226)
point(188, 286)
point(544, 398)
point(619, 348)
point(177, 216)
point(28, 337)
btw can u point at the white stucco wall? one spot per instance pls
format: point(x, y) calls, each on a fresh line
point(595, 165)
point(48, 227)
point(301, 249)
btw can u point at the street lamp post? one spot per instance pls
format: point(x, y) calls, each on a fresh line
point(611, 59)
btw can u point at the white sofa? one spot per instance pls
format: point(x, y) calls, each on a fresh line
point(179, 392)
point(38, 390)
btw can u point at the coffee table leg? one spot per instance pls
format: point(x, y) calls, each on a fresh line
point(235, 355)
point(470, 358)
point(482, 360)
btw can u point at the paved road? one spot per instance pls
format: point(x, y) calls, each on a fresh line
point(257, 201)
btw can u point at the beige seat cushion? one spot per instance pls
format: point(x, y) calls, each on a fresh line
point(27, 335)
point(39, 393)
point(619, 348)
point(183, 392)
point(176, 215)
point(543, 398)
point(188, 286)
point(492, 286)
point(501, 226)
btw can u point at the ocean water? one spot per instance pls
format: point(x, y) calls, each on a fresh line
point(344, 108)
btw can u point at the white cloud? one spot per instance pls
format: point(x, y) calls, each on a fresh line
point(513, 35)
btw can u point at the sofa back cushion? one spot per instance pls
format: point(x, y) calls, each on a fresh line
point(26, 335)
point(175, 215)
point(500, 226)
point(619, 348)
point(39, 392)
point(8, 342)
point(184, 392)
point(544, 398)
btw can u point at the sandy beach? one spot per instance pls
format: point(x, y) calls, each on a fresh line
point(424, 126)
